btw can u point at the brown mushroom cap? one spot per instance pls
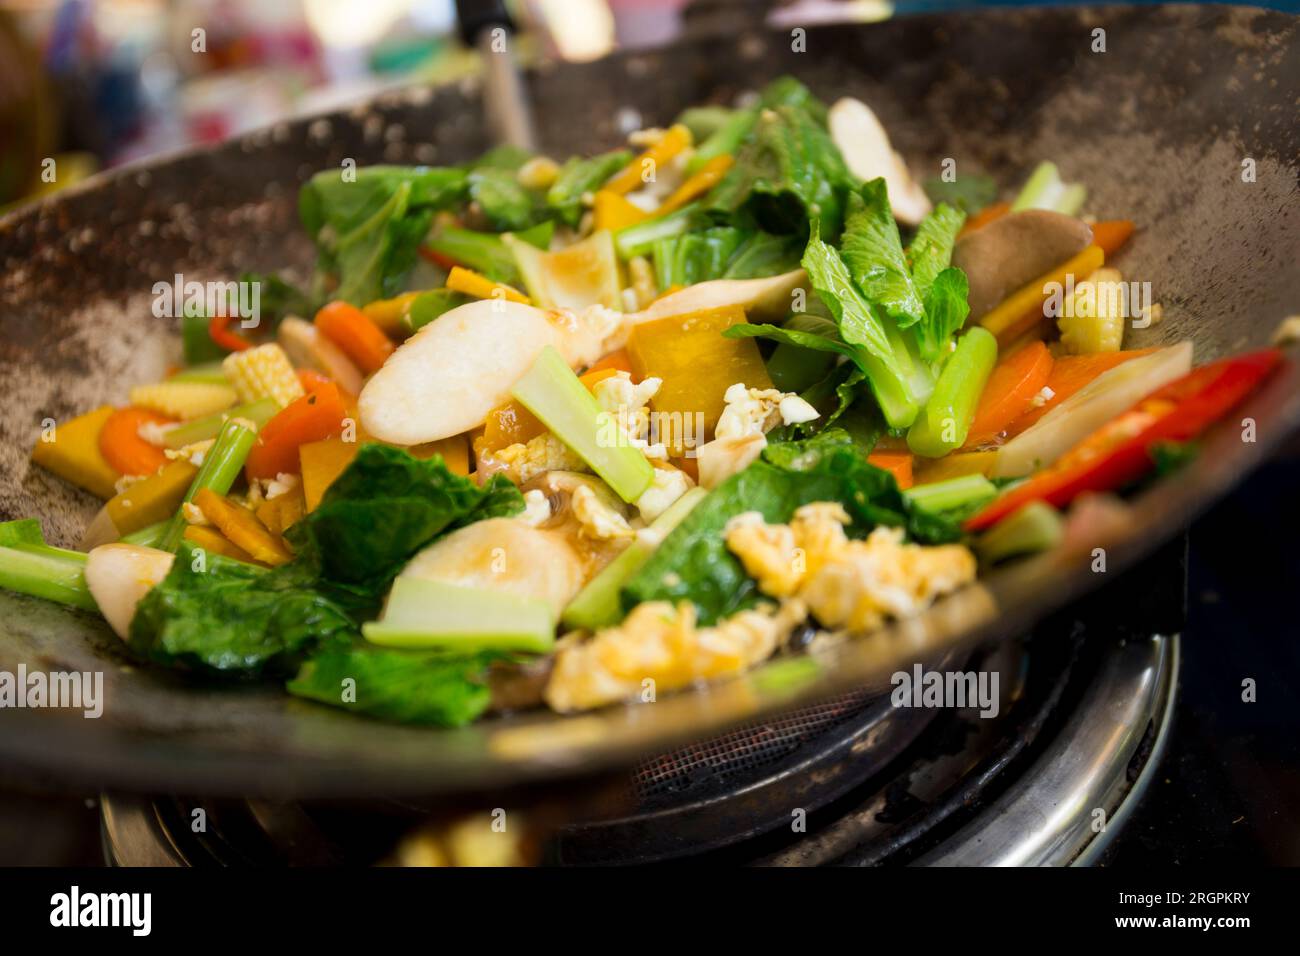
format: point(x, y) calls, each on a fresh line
point(1014, 250)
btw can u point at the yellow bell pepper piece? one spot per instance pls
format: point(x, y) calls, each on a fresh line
point(454, 452)
point(243, 529)
point(613, 212)
point(631, 176)
point(73, 453)
point(322, 462)
point(154, 499)
point(697, 365)
point(710, 175)
point(387, 314)
point(470, 282)
point(1021, 310)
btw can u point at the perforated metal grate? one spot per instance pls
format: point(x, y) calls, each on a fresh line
point(727, 760)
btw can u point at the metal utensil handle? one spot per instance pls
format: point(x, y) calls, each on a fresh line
point(487, 26)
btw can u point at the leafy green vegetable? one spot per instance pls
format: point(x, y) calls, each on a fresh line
point(30, 566)
point(787, 174)
point(693, 562)
point(368, 226)
point(695, 256)
point(946, 307)
point(505, 204)
point(408, 687)
point(228, 617)
point(427, 306)
point(764, 254)
point(485, 252)
point(931, 248)
point(873, 251)
point(387, 505)
point(579, 176)
point(968, 193)
point(504, 156)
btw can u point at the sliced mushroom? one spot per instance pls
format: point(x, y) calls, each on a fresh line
point(863, 142)
point(506, 555)
point(1017, 248)
point(307, 348)
point(119, 575)
point(445, 379)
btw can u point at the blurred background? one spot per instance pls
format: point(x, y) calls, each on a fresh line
point(97, 83)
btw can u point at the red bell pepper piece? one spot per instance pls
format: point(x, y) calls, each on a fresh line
point(1120, 451)
point(219, 332)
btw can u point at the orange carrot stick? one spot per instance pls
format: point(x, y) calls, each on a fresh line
point(1069, 374)
point(620, 361)
point(318, 414)
point(897, 463)
point(1011, 388)
point(352, 330)
point(123, 448)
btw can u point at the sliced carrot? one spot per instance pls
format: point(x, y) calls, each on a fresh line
point(1069, 374)
point(1009, 392)
point(897, 463)
point(592, 376)
point(351, 330)
point(481, 287)
point(123, 448)
point(438, 258)
point(316, 415)
point(219, 332)
point(985, 216)
point(1111, 234)
point(619, 361)
point(242, 528)
point(312, 379)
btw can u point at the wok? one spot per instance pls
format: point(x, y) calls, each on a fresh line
point(1158, 126)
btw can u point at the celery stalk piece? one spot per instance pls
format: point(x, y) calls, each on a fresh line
point(201, 429)
point(597, 605)
point(639, 239)
point(221, 467)
point(551, 391)
point(30, 566)
point(424, 615)
point(725, 139)
point(945, 421)
point(1045, 190)
point(148, 536)
point(953, 493)
point(1035, 527)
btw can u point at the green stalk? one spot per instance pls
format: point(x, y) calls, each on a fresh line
point(725, 139)
point(201, 429)
point(639, 239)
point(945, 421)
point(220, 468)
point(960, 492)
point(42, 571)
point(148, 536)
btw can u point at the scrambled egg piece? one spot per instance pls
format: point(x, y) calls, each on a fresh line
point(844, 583)
point(741, 432)
point(627, 405)
point(597, 518)
point(525, 460)
point(657, 642)
point(669, 484)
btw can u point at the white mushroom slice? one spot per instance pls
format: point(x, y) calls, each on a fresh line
point(307, 348)
point(504, 554)
point(445, 379)
point(866, 150)
point(119, 575)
